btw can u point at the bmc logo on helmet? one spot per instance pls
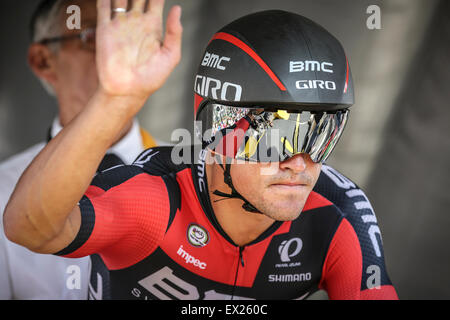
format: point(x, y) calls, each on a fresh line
point(214, 61)
point(299, 66)
point(315, 84)
point(210, 87)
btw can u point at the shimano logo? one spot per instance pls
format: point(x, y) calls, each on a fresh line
point(299, 66)
point(214, 61)
point(190, 259)
point(296, 277)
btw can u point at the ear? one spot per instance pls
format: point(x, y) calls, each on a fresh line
point(42, 62)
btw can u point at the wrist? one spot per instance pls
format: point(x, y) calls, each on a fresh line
point(126, 106)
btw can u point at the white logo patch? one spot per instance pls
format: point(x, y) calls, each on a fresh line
point(197, 235)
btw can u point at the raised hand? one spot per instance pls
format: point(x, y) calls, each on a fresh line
point(133, 57)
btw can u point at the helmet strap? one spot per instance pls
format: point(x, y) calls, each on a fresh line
point(234, 193)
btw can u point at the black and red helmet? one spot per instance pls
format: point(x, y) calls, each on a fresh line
point(275, 58)
point(283, 64)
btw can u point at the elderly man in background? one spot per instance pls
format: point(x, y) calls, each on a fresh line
point(65, 62)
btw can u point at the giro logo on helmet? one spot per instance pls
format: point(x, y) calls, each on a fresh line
point(315, 84)
point(210, 87)
point(299, 66)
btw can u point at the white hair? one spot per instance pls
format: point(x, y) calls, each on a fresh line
point(47, 25)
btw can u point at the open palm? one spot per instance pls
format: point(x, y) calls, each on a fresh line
point(133, 58)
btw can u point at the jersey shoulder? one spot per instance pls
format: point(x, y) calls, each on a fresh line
point(143, 197)
point(162, 160)
point(153, 162)
point(353, 205)
point(356, 208)
point(343, 193)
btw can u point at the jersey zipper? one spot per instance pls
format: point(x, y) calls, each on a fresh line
point(241, 258)
point(240, 263)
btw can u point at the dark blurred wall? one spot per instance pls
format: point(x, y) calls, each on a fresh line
point(26, 110)
point(411, 180)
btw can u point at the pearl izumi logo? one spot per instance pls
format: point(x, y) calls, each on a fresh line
point(197, 236)
point(289, 249)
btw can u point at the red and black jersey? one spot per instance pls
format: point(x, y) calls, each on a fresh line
point(153, 226)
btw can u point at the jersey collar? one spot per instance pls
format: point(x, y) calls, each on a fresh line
point(198, 168)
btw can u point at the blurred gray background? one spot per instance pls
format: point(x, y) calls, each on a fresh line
point(396, 145)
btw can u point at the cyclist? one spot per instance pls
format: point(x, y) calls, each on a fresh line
point(255, 213)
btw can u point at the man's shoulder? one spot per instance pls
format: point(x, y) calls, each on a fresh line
point(342, 192)
point(155, 161)
point(12, 168)
point(354, 206)
point(161, 160)
point(356, 209)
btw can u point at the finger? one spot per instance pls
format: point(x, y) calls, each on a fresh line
point(174, 31)
point(138, 5)
point(103, 11)
point(156, 7)
point(120, 7)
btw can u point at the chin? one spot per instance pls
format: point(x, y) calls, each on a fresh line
point(282, 207)
point(283, 213)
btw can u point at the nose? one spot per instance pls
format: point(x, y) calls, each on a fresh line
point(297, 163)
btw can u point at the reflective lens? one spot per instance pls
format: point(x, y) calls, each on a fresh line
point(255, 134)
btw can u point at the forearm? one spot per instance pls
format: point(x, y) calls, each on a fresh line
point(42, 213)
point(57, 178)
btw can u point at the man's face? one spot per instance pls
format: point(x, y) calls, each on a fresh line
point(71, 69)
point(75, 66)
point(278, 190)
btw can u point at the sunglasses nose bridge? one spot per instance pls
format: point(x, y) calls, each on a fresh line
point(296, 163)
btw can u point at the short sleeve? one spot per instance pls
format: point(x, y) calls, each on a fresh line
point(355, 264)
point(124, 216)
point(344, 276)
